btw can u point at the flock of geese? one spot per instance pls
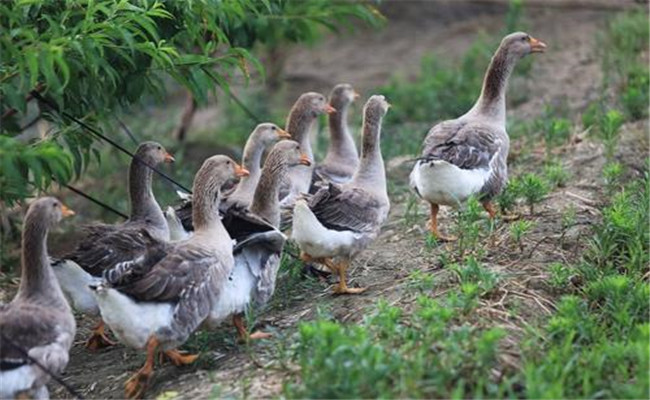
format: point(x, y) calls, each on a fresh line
point(160, 276)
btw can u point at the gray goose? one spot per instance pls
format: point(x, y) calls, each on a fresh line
point(302, 116)
point(257, 254)
point(263, 136)
point(342, 159)
point(104, 245)
point(160, 302)
point(339, 221)
point(38, 321)
point(468, 155)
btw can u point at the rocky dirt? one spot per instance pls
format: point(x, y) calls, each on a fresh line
point(569, 70)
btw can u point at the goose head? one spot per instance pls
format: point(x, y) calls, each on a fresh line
point(520, 44)
point(290, 153)
point(376, 107)
point(267, 134)
point(314, 104)
point(342, 96)
point(215, 172)
point(48, 211)
point(153, 153)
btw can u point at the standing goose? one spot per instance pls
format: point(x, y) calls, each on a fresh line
point(263, 136)
point(299, 122)
point(103, 245)
point(467, 156)
point(38, 321)
point(342, 220)
point(342, 160)
point(257, 254)
point(160, 303)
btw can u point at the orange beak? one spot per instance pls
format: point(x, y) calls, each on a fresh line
point(329, 109)
point(537, 46)
point(241, 171)
point(169, 158)
point(282, 134)
point(304, 160)
point(65, 211)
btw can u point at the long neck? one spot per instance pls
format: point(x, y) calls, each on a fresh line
point(341, 141)
point(492, 101)
point(205, 209)
point(143, 203)
point(299, 125)
point(37, 277)
point(371, 174)
point(265, 200)
point(251, 160)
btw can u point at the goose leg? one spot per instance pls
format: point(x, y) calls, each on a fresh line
point(433, 225)
point(98, 339)
point(137, 384)
point(342, 287)
point(180, 358)
point(243, 335)
point(490, 209)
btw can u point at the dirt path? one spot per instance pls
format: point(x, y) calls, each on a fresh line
point(368, 60)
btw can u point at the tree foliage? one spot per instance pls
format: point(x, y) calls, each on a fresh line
point(93, 58)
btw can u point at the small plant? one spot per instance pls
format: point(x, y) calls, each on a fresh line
point(507, 199)
point(559, 275)
point(471, 272)
point(420, 280)
point(609, 127)
point(634, 95)
point(518, 230)
point(533, 190)
point(468, 227)
point(612, 172)
point(556, 132)
point(569, 217)
point(430, 242)
point(412, 211)
point(556, 174)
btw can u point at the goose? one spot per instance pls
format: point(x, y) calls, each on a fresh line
point(299, 122)
point(468, 155)
point(105, 245)
point(159, 303)
point(37, 326)
point(262, 137)
point(342, 159)
point(257, 252)
point(339, 221)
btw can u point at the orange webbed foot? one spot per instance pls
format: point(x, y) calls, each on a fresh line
point(178, 358)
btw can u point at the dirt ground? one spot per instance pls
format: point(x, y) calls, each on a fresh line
point(568, 70)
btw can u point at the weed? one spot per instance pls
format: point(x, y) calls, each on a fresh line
point(389, 355)
point(533, 190)
point(519, 229)
point(568, 216)
point(471, 272)
point(430, 242)
point(634, 94)
point(412, 211)
point(612, 172)
point(468, 227)
point(559, 275)
point(420, 280)
point(507, 199)
point(556, 174)
point(609, 127)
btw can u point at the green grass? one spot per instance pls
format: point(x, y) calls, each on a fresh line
point(423, 354)
point(596, 344)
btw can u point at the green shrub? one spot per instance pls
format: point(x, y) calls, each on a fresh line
point(533, 190)
point(556, 174)
point(519, 229)
point(635, 98)
point(392, 355)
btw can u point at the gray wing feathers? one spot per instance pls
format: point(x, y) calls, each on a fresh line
point(465, 145)
point(353, 209)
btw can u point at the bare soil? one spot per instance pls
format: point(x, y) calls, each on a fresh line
point(569, 70)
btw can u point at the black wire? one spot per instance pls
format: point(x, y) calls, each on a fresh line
point(127, 130)
point(247, 110)
point(92, 130)
point(94, 200)
point(56, 378)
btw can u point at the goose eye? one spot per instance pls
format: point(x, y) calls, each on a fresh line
point(525, 38)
